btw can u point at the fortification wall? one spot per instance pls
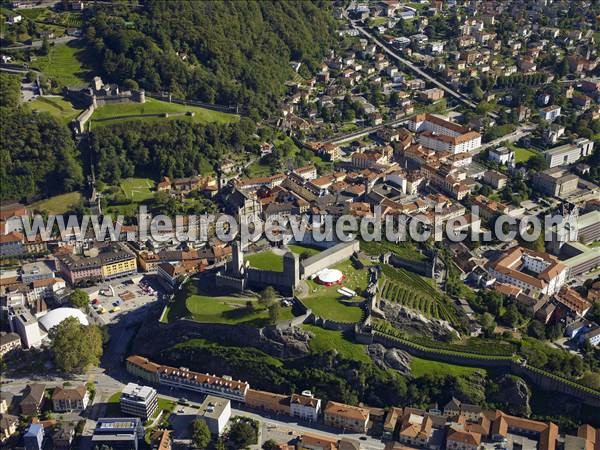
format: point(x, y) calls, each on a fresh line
point(541, 378)
point(424, 268)
point(262, 278)
point(329, 257)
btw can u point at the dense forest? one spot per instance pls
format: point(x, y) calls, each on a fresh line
point(37, 153)
point(171, 148)
point(219, 52)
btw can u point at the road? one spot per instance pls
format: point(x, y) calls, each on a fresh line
point(414, 68)
point(365, 131)
point(460, 97)
point(512, 137)
point(38, 44)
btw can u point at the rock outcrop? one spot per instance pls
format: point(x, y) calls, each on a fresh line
point(412, 322)
point(393, 358)
point(515, 394)
point(281, 343)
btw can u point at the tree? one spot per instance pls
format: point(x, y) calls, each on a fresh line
point(130, 84)
point(274, 312)
point(488, 324)
point(200, 434)
point(268, 295)
point(79, 299)
point(512, 316)
point(537, 163)
point(243, 432)
point(75, 346)
point(270, 445)
point(590, 379)
point(536, 329)
point(45, 48)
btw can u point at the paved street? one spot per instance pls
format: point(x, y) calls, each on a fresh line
point(414, 68)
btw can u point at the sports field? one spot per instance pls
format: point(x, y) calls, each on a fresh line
point(137, 189)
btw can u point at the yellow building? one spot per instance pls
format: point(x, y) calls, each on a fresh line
point(113, 269)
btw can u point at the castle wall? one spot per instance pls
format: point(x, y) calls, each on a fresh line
point(329, 257)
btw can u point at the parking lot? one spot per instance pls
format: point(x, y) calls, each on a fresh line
point(113, 298)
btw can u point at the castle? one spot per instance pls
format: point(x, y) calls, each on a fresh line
point(100, 94)
point(239, 276)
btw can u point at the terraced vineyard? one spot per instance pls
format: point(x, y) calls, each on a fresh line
point(415, 292)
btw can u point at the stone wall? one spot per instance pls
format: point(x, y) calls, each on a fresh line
point(329, 257)
point(424, 268)
point(539, 377)
point(166, 97)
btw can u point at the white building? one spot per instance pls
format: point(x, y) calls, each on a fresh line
point(550, 113)
point(534, 272)
point(569, 153)
point(305, 406)
point(216, 412)
point(502, 155)
point(26, 326)
point(138, 401)
point(442, 135)
point(70, 399)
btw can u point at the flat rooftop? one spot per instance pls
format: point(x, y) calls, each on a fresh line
point(212, 407)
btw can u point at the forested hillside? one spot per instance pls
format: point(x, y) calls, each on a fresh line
point(37, 153)
point(171, 148)
point(235, 52)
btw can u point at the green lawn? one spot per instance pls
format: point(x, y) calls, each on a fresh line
point(58, 204)
point(326, 340)
point(303, 249)
point(64, 64)
point(405, 250)
point(221, 309)
point(137, 189)
point(522, 154)
point(259, 169)
point(325, 300)
point(32, 13)
point(58, 107)
point(153, 110)
point(266, 260)
point(420, 367)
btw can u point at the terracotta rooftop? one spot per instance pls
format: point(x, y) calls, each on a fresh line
point(348, 411)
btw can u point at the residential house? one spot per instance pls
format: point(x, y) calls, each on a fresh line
point(33, 397)
point(346, 417)
point(66, 399)
point(305, 406)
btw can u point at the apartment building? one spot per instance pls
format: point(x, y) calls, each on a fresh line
point(442, 135)
point(346, 417)
point(305, 406)
point(118, 433)
point(107, 261)
point(569, 153)
point(216, 412)
point(557, 182)
point(138, 401)
point(183, 378)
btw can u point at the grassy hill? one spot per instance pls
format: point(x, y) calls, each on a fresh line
point(58, 107)
point(154, 109)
